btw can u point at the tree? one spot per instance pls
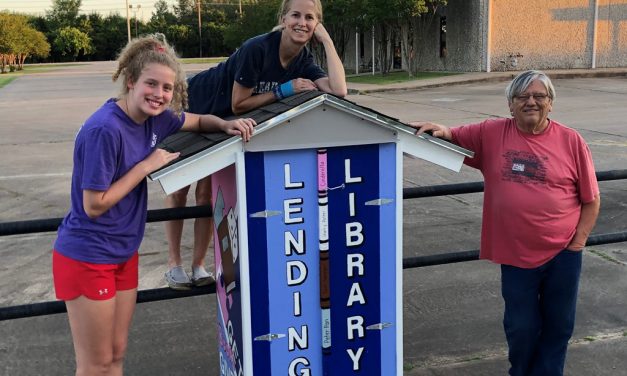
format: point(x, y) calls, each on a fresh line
point(184, 11)
point(18, 41)
point(387, 18)
point(178, 35)
point(407, 19)
point(341, 19)
point(418, 25)
point(9, 34)
point(72, 42)
point(108, 35)
point(215, 20)
point(161, 18)
point(257, 18)
point(64, 13)
point(33, 43)
point(40, 23)
point(179, 24)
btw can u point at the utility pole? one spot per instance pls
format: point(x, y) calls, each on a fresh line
point(199, 30)
point(128, 22)
point(135, 10)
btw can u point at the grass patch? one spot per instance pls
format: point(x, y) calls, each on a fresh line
point(395, 77)
point(5, 79)
point(472, 358)
point(606, 257)
point(589, 338)
point(203, 60)
point(35, 68)
point(408, 367)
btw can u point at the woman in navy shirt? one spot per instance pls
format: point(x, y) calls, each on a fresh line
point(264, 69)
point(250, 77)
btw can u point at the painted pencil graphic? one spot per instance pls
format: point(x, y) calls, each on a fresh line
point(323, 239)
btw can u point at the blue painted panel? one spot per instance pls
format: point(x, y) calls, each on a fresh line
point(291, 277)
point(286, 302)
point(258, 262)
point(387, 245)
point(349, 319)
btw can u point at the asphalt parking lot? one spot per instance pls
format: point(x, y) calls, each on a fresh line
point(452, 315)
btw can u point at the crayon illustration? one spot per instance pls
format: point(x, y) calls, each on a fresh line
point(323, 239)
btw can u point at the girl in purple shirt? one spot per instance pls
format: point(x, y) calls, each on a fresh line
point(95, 260)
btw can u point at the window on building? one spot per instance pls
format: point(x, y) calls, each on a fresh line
point(361, 45)
point(443, 51)
point(398, 60)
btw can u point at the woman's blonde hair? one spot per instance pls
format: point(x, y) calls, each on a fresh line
point(150, 49)
point(285, 7)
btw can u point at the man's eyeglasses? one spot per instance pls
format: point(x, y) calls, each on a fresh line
point(539, 98)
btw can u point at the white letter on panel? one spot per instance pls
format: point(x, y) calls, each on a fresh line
point(354, 236)
point(288, 210)
point(355, 295)
point(354, 261)
point(355, 357)
point(347, 173)
point(288, 178)
point(355, 323)
point(302, 272)
point(295, 363)
point(291, 244)
point(297, 340)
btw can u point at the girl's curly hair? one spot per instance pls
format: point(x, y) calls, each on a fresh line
point(149, 49)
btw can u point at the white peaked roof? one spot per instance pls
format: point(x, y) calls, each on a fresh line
point(307, 120)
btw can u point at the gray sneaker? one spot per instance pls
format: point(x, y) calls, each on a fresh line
point(201, 277)
point(177, 278)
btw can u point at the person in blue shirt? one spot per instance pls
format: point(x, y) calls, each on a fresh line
point(266, 68)
point(95, 256)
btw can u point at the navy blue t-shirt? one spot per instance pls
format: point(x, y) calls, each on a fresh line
point(255, 64)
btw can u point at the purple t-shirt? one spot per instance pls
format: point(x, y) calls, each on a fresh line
point(107, 146)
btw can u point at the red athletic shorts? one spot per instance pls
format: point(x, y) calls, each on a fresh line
point(74, 278)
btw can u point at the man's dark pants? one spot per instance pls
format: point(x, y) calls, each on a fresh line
point(539, 319)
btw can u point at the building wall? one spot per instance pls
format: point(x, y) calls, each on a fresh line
point(556, 34)
point(542, 34)
point(465, 37)
point(349, 52)
point(612, 34)
point(499, 35)
point(465, 41)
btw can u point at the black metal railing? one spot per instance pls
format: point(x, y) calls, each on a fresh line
point(151, 295)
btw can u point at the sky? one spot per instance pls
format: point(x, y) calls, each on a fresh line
point(39, 7)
